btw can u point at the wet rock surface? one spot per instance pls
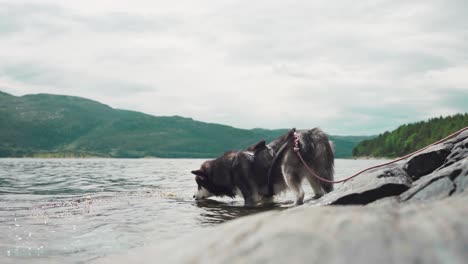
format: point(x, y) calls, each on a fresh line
point(369, 187)
point(413, 212)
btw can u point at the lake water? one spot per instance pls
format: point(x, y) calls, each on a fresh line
point(76, 210)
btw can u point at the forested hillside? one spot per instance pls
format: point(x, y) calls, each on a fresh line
point(408, 138)
point(61, 126)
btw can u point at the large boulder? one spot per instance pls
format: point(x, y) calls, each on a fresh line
point(428, 160)
point(443, 178)
point(440, 155)
point(433, 172)
point(368, 187)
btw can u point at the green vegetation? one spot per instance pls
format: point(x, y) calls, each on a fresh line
point(44, 125)
point(409, 138)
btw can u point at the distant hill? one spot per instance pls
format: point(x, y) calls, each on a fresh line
point(411, 137)
point(60, 126)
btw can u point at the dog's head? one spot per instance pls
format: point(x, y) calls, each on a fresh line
point(214, 177)
point(203, 179)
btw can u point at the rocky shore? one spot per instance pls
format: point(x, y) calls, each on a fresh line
point(412, 212)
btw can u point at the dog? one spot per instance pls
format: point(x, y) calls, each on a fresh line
point(263, 170)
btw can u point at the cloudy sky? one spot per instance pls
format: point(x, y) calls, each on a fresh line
point(350, 67)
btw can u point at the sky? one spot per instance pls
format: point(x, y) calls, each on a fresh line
point(349, 67)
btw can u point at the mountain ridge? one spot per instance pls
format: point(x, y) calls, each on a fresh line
point(60, 126)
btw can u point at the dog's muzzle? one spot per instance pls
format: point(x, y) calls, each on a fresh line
point(202, 194)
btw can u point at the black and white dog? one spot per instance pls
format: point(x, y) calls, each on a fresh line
point(262, 171)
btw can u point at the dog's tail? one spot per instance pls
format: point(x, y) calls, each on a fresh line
point(332, 146)
point(329, 166)
point(321, 156)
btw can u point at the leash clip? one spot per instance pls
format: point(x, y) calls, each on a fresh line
point(296, 142)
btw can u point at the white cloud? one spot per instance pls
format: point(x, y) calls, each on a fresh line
point(349, 67)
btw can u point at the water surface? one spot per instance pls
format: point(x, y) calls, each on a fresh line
point(76, 210)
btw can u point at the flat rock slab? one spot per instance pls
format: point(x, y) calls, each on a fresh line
point(369, 187)
point(435, 232)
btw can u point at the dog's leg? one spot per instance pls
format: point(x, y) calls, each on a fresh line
point(251, 197)
point(294, 183)
point(242, 179)
point(317, 185)
point(318, 190)
point(268, 199)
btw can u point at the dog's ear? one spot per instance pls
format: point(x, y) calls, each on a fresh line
point(200, 179)
point(198, 173)
point(257, 146)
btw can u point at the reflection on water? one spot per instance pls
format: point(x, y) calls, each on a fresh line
point(216, 212)
point(74, 210)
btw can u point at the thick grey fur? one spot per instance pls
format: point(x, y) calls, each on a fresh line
point(247, 170)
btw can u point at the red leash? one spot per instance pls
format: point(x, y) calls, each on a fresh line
point(296, 149)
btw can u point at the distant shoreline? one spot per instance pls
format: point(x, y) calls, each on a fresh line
point(94, 157)
point(66, 155)
point(74, 156)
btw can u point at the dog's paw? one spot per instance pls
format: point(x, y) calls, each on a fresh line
point(317, 196)
point(299, 202)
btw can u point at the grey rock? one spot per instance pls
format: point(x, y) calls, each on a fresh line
point(436, 169)
point(459, 150)
point(428, 160)
point(435, 232)
point(431, 189)
point(439, 184)
point(387, 201)
point(461, 137)
point(435, 185)
point(459, 175)
point(438, 156)
point(369, 187)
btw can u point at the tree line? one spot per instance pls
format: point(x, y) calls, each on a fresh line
point(411, 137)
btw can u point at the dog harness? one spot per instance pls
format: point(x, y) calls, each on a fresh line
point(276, 156)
